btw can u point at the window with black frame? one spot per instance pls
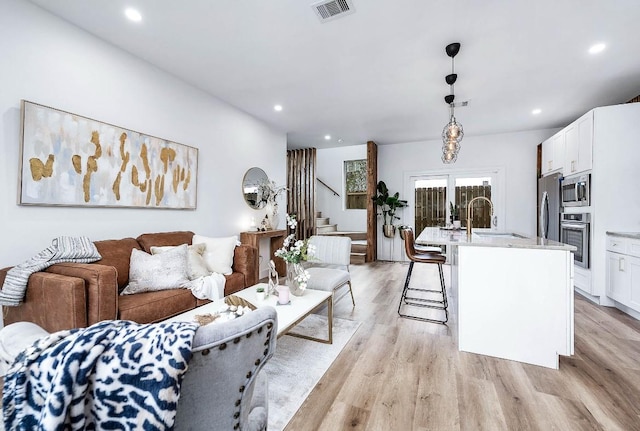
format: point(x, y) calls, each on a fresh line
point(355, 177)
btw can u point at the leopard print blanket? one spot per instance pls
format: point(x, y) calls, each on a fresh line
point(115, 375)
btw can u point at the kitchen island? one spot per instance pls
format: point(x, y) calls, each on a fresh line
point(515, 294)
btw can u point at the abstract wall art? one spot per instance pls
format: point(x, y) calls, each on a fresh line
point(72, 160)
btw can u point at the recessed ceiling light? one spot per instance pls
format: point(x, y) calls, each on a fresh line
point(598, 47)
point(340, 141)
point(133, 15)
point(536, 111)
point(327, 137)
point(277, 108)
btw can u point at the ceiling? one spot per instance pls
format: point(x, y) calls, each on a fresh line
point(378, 74)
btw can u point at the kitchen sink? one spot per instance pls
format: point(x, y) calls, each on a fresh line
point(507, 235)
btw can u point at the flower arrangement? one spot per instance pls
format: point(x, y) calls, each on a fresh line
point(268, 192)
point(294, 251)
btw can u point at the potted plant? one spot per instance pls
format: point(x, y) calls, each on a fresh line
point(388, 204)
point(401, 229)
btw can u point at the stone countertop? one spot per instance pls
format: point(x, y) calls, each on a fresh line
point(436, 235)
point(633, 235)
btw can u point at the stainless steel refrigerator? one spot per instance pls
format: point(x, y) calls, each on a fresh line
point(549, 207)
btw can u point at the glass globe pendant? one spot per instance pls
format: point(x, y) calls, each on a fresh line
point(450, 150)
point(453, 130)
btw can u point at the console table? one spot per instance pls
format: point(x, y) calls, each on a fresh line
point(276, 238)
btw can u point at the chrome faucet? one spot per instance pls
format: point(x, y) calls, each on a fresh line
point(470, 211)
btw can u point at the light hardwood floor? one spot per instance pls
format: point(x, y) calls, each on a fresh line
point(401, 374)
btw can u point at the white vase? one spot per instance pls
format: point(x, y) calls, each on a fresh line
point(293, 271)
point(272, 215)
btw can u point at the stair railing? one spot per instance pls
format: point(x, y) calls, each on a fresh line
point(335, 193)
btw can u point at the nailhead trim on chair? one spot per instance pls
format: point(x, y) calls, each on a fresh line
point(205, 352)
point(250, 373)
point(223, 346)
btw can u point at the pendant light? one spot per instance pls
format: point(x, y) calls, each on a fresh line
point(452, 133)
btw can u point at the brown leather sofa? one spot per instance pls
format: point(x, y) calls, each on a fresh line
point(76, 295)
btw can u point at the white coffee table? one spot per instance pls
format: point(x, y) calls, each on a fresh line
point(288, 315)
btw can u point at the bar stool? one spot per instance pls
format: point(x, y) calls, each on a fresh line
point(423, 257)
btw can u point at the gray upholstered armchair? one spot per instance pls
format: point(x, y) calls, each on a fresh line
point(222, 389)
point(329, 268)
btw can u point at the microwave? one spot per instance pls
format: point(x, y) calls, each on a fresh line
point(575, 191)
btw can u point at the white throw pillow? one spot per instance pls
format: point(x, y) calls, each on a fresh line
point(197, 265)
point(163, 271)
point(219, 252)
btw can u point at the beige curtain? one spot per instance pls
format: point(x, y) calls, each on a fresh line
point(301, 190)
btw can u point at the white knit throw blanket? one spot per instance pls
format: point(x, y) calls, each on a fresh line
point(63, 249)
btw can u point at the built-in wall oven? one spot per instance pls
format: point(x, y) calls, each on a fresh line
point(574, 230)
point(575, 191)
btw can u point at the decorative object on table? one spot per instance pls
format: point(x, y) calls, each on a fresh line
point(268, 193)
point(273, 279)
point(233, 307)
point(297, 278)
point(454, 210)
point(260, 293)
point(250, 186)
point(452, 133)
point(293, 252)
point(72, 160)
point(388, 204)
point(283, 295)
point(264, 224)
point(252, 225)
point(236, 301)
point(205, 319)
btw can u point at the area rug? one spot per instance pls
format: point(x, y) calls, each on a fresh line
point(298, 365)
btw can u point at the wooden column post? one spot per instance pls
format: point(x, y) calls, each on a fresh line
point(372, 216)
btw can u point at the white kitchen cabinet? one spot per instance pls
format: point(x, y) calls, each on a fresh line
point(578, 145)
point(623, 271)
point(618, 287)
point(582, 279)
point(553, 154)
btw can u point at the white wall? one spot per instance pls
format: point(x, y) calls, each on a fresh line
point(48, 61)
point(515, 153)
point(330, 169)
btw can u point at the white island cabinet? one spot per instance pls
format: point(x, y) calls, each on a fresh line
point(515, 295)
point(623, 270)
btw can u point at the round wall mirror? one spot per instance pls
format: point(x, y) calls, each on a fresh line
point(250, 187)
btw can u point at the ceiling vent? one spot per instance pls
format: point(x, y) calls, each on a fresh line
point(332, 9)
